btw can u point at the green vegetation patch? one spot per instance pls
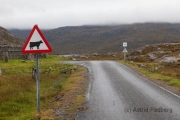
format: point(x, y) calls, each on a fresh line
point(163, 72)
point(18, 88)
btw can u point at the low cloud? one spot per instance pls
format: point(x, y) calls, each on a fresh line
point(56, 13)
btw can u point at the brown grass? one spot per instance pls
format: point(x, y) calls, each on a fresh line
point(18, 89)
point(69, 99)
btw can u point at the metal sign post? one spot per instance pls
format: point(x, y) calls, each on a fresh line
point(38, 83)
point(125, 50)
point(36, 43)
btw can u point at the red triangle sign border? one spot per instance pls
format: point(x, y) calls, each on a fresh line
point(24, 51)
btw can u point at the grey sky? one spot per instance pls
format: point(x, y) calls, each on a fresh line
point(50, 14)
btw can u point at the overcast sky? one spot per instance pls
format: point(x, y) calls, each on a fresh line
point(49, 14)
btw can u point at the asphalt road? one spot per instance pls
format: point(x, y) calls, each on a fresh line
point(118, 93)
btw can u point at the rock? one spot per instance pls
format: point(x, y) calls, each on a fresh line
point(82, 108)
point(140, 65)
point(167, 59)
point(64, 70)
point(151, 56)
point(95, 54)
point(74, 59)
point(156, 68)
point(75, 68)
point(137, 52)
point(114, 56)
point(158, 48)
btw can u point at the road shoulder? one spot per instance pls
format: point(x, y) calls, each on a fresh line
point(69, 101)
point(159, 82)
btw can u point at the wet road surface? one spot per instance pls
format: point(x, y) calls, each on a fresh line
point(118, 93)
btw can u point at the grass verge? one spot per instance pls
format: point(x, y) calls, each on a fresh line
point(171, 81)
point(18, 88)
point(66, 104)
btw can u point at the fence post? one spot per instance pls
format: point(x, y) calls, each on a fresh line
point(5, 56)
point(30, 56)
point(33, 73)
point(0, 71)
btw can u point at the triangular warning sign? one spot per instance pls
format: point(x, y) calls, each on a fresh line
point(36, 42)
point(125, 50)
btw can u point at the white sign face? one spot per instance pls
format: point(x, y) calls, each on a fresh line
point(36, 42)
point(125, 50)
point(124, 44)
point(36, 39)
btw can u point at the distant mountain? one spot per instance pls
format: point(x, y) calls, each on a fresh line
point(6, 38)
point(106, 39)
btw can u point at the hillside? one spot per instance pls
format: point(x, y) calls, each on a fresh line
point(106, 39)
point(159, 53)
point(6, 38)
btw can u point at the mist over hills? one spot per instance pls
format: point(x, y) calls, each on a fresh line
point(106, 39)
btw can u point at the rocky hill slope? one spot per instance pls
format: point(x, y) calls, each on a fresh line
point(159, 53)
point(160, 63)
point(6, 38)
point(107, 39)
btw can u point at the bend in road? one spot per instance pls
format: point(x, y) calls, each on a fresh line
point(118, 93)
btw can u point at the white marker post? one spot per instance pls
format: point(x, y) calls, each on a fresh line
point(125, 50)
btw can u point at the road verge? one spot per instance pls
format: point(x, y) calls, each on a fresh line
point(170, 83)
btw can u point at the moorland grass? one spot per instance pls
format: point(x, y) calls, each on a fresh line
point(172, 81)
point(18, 89)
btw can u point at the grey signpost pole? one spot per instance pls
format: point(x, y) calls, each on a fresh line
point(124, 56)
point(31, 42)
point(38, 83)
point(125, 50)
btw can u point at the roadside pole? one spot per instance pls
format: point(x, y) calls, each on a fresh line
point(38, 83)
point(36, 43)
point(125, 50)
point(124, 56)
